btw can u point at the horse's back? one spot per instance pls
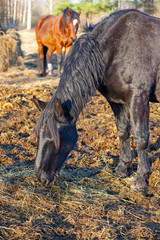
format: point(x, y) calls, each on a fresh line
point(129, 42)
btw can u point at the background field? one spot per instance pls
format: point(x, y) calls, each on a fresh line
point(88, 201)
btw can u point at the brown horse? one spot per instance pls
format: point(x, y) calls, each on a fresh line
point(53, 33)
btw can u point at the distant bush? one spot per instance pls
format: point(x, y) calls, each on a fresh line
point(86, 7)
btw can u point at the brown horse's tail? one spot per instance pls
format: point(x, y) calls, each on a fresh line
point(42, 65)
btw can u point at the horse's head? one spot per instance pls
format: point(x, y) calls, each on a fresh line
point(56, 138)
point(70, 23)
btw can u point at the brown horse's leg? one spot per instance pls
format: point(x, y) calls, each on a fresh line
point(122, 116)
point(59, 62)
point(67, 50)
point(42, 58)
point(49, 64)
point(140, 119)
point(59, 58)
point(39, 64)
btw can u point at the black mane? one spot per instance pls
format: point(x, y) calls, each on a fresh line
point(82, 74)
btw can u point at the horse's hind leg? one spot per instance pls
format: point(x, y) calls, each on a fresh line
point(59, 58)
point(39, 64)
point(49, 64)
point(42, 58)
point(140, 119)
point(122, 116)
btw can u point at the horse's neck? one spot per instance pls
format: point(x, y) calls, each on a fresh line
point(79, 79)
point(76, 95)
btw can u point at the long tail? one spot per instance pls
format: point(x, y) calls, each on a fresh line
point(45, 49)
point(42, 65)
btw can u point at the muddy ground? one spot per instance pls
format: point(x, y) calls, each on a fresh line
point(88, 201)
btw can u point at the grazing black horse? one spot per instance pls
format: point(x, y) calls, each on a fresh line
point(121, 58)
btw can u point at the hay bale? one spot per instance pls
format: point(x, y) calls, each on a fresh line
point(10, 49)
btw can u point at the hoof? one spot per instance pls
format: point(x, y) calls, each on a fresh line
point(121, 170)
point(139, 184)
point(42, 75)
point(50, 74)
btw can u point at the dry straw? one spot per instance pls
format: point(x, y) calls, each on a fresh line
point(89, 201)
point(10, 50)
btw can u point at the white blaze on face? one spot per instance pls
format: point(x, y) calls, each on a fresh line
point(75, 21)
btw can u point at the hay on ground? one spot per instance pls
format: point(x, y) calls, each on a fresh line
point(10, 50)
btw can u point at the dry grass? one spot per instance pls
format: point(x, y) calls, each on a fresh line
point(89, 201)
point(10, 50)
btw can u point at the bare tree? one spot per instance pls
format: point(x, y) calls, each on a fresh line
point(24, 13)
point(50, 6)
point(29, 15)
point(14, 13)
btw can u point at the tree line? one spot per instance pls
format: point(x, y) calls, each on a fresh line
point(14, 13)
point(22, 14)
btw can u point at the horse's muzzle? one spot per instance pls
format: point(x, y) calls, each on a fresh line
point(44, 178)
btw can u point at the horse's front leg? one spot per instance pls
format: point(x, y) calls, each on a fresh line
point(67, 49)
point(59, 58)
point(40, 64)
point(49, 64)
point(140, 119)
point(122, 116)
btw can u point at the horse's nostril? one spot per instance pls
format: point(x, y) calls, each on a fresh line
point(45, 182)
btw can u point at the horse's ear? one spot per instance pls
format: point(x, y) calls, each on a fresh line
point(39, 104)
point(80, 12)
point(61, 111)
point(68, 11)
point(58, 110)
